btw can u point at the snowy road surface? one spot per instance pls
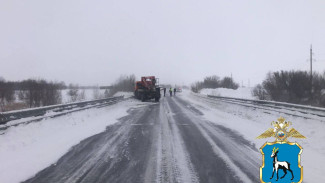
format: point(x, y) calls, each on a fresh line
point(180, 139)
point(161, 142)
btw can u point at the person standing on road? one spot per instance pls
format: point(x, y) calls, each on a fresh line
point(164, 92)
point(170, 91)
point(174, 91)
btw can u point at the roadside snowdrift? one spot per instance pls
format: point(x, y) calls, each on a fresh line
point(251, 122)
point(27, 149)
point(245, 93)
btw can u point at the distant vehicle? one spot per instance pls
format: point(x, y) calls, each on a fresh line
point(178, 89)
point(148, 88)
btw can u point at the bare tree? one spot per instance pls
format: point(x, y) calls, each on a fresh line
point(106, 93)
point(82, 95)
point(197, 86)
point(214, 82)
point(38, 92)
point(6, 93)
point(260, 92)
point(211, 82)
point(295, 87)
point(73, 93)
point(288, 86)
point(228, 82)
point(96, 93)
point(124, 83)
point(51, 94)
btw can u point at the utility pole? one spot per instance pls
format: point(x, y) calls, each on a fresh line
point(311, 69)
point(311, 62)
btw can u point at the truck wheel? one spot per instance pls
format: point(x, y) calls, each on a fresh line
point(157, 99)
point(143, 98)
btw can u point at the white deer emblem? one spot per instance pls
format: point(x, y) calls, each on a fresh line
point(284, 165)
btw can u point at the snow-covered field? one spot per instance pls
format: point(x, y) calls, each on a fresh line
point(251, 123)
point(245, 93)
point(89, 94)
point(27, 149)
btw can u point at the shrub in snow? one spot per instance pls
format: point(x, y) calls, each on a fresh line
point(260, 92)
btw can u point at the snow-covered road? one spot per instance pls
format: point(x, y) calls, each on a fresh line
point(161, 142)
point(181, 139)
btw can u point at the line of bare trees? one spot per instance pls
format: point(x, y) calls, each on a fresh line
point(294, 87)
point(123, 83)
point(214, 82)
point(39, 92)
point(6, 93)
point(33, 92)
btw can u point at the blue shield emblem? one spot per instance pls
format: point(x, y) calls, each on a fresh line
point(281, 163)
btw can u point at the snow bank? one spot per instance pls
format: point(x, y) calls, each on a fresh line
point(27, 149)
point(245, 93)
point(251, 122)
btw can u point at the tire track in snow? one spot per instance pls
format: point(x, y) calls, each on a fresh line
point(224, 145)
point(175, 165)
point(120, 154)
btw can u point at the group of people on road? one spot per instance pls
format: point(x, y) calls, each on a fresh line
point(170, 91)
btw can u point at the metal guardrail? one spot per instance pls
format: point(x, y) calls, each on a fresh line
point(263, 102)
point(5, 117)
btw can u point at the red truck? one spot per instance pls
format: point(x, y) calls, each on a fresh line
point(148, 88)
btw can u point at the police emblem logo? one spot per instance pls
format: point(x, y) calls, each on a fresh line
point(281, 158)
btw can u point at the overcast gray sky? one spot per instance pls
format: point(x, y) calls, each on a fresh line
point(180, 41)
